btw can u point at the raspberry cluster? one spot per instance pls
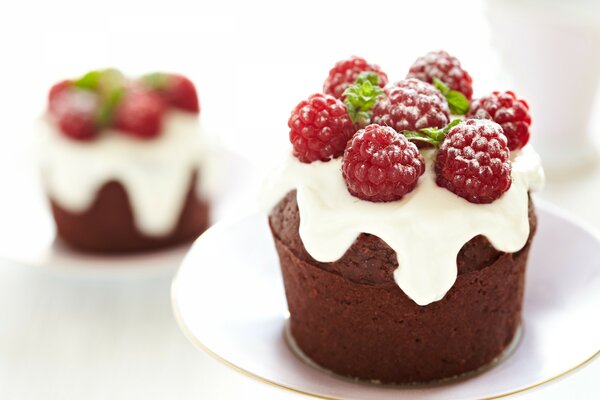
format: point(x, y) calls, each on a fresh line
point(105, 98)
point(379, 128)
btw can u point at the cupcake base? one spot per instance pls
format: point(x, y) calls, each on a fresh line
point(350, 316)
point(291, 342)
point(376, 332)
point(108, 226)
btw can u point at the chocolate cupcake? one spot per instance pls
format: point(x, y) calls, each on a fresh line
point(402, 264)
point(350, 316)
point(124, 162)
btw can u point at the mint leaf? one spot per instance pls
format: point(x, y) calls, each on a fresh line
point(109, 84)
point(434, 133)
point(434, 136)
point(457, 102)
point(110, 80)
point(414, 135)
point(441, 86)
point(104, 81)
point(368, 77)
point(108, 106)
point(451, 125)
point(361, 97)
point(155, 80)
point(89, 81)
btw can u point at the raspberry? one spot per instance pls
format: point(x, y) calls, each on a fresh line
point(181, 93)
point(56, 92)
point(345, 72)
point(320, 128)
point(140, 113)
point(441, 65)
point(177, 90)
point(381, 165)
point(76, 125)
point(507, 110)
point(76, 111)
point(410, 105)
point(473, 161)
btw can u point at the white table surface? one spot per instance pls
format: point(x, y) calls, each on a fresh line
point(66, 337)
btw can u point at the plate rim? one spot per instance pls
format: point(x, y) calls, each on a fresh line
point(547, 207)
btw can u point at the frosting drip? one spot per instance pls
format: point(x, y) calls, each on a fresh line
point(156, 173)
point(426, 228)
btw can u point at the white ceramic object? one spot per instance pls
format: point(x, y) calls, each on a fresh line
point(229, 300)
point(551, 49)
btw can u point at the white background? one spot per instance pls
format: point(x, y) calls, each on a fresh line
point(65, 337)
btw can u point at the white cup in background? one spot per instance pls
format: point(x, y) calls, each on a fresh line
point(551, 49)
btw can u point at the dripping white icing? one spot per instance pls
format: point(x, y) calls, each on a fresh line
point(155, 173)
point(426, 228)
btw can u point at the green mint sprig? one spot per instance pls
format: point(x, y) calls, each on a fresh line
point(89, 81)
point(103, 81)
point(155, 80)
point(108, 106)
point(109, 84)
point(458, 103)
point(434, 136)
point(361, 97)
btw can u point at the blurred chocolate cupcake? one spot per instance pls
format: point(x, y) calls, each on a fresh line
point(123, 161)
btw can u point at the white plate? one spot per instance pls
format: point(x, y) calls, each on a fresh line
point(28, 235)
point(229, 300)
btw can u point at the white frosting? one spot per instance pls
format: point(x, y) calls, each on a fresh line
point(155, 173)
point(426, 228)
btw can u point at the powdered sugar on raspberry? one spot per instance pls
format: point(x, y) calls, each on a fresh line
point(473, 161)
point(507, 110)
point(411, 105)
point(441, 65)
